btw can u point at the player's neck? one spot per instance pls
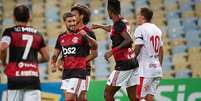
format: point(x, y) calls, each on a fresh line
point(116, 18)
point(21, 23)
point(80, 25)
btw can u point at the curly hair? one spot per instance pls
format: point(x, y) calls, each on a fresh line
point(83, 10)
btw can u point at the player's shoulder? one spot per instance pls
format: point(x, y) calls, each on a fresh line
point(87, 29)
point(62, 34)
point(7, 31)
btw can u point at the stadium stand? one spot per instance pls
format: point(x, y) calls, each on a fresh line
point(180, 21)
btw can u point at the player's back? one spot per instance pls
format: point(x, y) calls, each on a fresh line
point(152, 38)
point(24, 45)
point(149, 54)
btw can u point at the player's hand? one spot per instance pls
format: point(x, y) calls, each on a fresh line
point(53, 67)
point(60, 64)
point(82, 32)
point(95, 26)
point(108, 55)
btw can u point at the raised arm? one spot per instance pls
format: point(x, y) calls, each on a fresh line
point(104, 27)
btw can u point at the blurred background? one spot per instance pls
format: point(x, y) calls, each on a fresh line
point(180, 21)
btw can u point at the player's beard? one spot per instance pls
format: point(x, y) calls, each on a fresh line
point(71, 28)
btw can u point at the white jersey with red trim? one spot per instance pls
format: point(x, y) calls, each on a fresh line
point(149, 35)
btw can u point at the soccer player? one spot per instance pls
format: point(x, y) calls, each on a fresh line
point(24, 43)
point(126, 69)
point(72, 46)
point(149, 52)
point(82, 14)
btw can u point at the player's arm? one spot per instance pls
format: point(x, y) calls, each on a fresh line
point(137, 49)
point(3, 56)
point(105, 27)
point(44, 54)
point(4, 44)
point(124, 44)
point(93, 52)
point(139, 41)
point(43, 50)
point(3, 52)
point(161, 55)
point(91, 41)
point(127, 40)
point(55, 56)
point(54, 60)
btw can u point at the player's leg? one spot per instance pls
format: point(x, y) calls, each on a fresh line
point(71, 88)
point(85, 86)
point(110, 92)
point(150, 88)
point(115, 81)
point(83, 96)
point(13, 95)
point(149, 97)
point(69, 96)
point(132, 83)
point(131, 91)
point(32, 95)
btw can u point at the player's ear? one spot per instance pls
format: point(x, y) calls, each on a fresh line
point(82, 16)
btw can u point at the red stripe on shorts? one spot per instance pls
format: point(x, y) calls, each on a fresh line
point(139, 87)
point(114, 80)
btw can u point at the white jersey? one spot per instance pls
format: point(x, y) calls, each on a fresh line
point(149, 35)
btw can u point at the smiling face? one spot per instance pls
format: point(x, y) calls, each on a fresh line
point(70, 23)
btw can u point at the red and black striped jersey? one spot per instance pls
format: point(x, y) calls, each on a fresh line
point(124, 57)
point(24, 45)
point(88, 47)
point(73, 49)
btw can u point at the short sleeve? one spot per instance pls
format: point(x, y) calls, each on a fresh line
point(138, 35)
point(6, 37)
point(121, 27)
point(58, 45)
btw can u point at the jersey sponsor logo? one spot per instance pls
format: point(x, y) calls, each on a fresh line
point(69, 50)
point(25, 29)
point(22, 64)
point(75, 39)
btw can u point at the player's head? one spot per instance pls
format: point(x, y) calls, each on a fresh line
point(113, 8)
point(21, 13)
point(82, 13)
point(70, 21)
point(144, 15)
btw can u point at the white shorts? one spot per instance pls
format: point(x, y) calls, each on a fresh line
point(87, 82)
point(73, 85)
point(149, 86)
point(124, 78)
point(21, 95)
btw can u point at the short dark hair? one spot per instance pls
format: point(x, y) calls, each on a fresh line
point(83, 10)
point(21, 13)
point(147, 13)
point(114, 6)
point(67, 14)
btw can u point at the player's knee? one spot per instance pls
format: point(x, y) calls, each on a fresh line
point(83, 96)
